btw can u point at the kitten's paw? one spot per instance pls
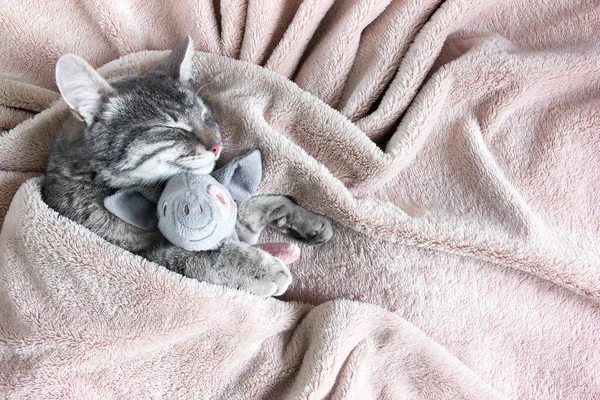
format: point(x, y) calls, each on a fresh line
point(273, 282)
point(314, 231)
point(302, 224)
point(266, 276)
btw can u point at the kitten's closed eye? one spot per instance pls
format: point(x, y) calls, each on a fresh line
point(208, 139)
point(184, 128)
point(184, 132)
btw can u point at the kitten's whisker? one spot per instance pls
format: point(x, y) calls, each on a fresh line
point(229, 149)
point(200, 88)
point(210, 82)
point(231, 146)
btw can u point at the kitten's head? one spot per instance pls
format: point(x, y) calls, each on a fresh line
point(143, 129)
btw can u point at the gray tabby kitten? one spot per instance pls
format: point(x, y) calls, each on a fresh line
point(140, 131)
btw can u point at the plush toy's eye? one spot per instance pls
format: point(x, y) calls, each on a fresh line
point(186, 209)
point(200, 208)
point(165, 210)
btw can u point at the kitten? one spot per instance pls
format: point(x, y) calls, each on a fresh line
point(140, 131)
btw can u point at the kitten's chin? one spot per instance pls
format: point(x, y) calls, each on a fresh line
point(198, 168)
point(205, 170)
point(154, 174)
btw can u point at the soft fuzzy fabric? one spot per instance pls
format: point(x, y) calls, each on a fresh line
point(454, 143)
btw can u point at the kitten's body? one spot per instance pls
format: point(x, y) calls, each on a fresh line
point(75, 189)
point(140, 131)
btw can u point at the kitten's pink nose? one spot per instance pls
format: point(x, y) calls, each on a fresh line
point(215, 149)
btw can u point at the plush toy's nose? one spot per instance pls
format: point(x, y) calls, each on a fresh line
point(190, 214)
point(187, 209)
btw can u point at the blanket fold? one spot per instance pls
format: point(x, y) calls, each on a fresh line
point(68, 329)
point(453, 143)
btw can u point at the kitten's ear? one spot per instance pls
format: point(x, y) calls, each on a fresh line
point(81, 86)
point(178, 64)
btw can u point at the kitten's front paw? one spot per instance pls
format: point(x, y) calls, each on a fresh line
point(269, 276)
point(274, 281)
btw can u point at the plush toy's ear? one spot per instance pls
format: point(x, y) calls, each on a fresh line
point(242, 175)
point(178, 63)
point(134, 208)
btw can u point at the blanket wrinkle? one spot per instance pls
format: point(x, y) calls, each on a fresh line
point(416, 63)
point(286, 56)
point(265, 25)
point(453, 143)
point(335, 50)
point(373, 68)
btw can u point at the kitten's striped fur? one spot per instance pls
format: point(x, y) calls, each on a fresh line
point(140, 131)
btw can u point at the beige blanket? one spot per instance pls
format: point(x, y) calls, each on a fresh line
point(456, 145)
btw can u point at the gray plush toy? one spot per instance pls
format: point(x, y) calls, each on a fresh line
point(194, 212)
point(197, 212)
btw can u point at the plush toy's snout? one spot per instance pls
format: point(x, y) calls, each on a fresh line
point(188, 213)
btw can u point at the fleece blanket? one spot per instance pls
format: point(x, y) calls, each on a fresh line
point(454, 143)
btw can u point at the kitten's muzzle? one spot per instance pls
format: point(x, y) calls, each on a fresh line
point(210, 140)
point(216, 149)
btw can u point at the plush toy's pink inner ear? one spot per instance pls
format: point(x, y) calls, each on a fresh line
point(219, 196)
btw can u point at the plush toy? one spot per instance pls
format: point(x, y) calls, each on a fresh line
point(197, 212)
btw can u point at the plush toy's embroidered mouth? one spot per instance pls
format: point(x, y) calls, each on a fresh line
point(210, 234)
